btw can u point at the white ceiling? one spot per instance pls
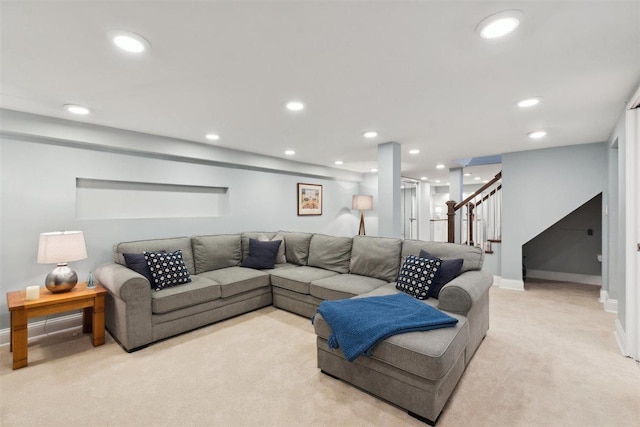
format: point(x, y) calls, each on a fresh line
point(414, 71)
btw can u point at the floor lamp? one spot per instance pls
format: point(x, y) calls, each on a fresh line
point(363, 203)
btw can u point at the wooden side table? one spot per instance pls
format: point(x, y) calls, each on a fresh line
point(91, 301)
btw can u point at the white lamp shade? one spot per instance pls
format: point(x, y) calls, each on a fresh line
point(61, 247)
point(362, 202)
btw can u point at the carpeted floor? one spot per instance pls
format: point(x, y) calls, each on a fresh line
point(549, 359)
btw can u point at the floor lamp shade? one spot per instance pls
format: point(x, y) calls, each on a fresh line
point(61, 247)
point(362, 203)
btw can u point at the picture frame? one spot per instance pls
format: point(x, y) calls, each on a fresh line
point(309, 199)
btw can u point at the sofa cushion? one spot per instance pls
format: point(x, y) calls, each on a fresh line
point(472, 256)
point(261, 254)
point(377, 257)
point(157, 245)
point(167, 269)
point(138, 263)
point(235, 280)
point(330, 252)
point(296, 246)
point(214, 252)
point(344, 286)
point(196, 292)
point(280, 257)
point(298, 279)
point(449, 270)
point(246, 236)
point(417, 276)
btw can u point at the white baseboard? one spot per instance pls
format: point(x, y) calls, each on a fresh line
point(565, 277)
point(46, 327)
point(610, 305)
point(516, 285)
point(620, 337)
point(496, 281)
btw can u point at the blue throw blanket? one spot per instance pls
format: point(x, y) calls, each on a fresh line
point(358, 324)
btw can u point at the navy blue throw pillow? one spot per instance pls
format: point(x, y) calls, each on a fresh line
point(449, 270)
point(138, 263)
point(261, 254)
point(167, 269)
point(417, 275)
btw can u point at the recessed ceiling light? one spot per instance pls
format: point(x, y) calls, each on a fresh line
point(485, 181)
point(295, 106)
point(374, 170)
point(477, 178)
point(467, 174)
point(440, 166)
point(77, 109)
point(130, 42)
point(338, 162)
point(529, 102)
point(499, 24)
point(423, 178)
point(370, 134)
point(414, 151)
point(437, 181)
point(289, 152)
point(537, 134)
point(212, 136)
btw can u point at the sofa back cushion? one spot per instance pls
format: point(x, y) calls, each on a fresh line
point(330, 252)
point(156, 245)
point(472, 256)
point(296, 246)
point(377, 257)
point(216, 252)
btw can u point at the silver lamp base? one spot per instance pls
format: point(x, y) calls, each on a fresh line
point(61, 279)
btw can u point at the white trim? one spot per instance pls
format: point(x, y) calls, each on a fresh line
point(609, 305)
point(620, 338)
point(586, 279)
point(516, 285)
point(45, 327)
point(496, 281)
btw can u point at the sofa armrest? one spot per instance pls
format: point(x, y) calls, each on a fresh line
point(459, 295)
point(123, 282)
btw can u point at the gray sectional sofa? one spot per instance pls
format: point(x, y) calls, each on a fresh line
point(416, 371)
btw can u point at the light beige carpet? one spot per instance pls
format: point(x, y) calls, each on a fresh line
point(549, 359)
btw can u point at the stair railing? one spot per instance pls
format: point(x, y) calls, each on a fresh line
point(483, 220)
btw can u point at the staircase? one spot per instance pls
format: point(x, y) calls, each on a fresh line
point(481, 216)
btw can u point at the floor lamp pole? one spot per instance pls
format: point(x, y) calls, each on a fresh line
point(361, 230)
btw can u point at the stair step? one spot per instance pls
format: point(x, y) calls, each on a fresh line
point(494, 240)
point(488, 252)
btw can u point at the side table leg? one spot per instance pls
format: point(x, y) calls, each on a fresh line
point(87, 319)
point(19, 338)
point(98, 321)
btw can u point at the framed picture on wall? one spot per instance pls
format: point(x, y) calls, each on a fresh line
point(309, 199)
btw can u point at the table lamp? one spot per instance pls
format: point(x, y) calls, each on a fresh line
point(61, 247)
point(363, 203)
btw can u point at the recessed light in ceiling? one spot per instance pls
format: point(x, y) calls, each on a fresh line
point(212, 136)
point(477, 178)
point(414, 151)
point(423, 178)
point(467, 174)
point(537, 134)
point(77, 109)
point(440, 166)
point(338, 162)
point(438, 181)
point(529, 102)
point(374, 170)
point(485, 181)
point(370, 134)
point(499, 24)
point(130, 42)
point(295, 106)
point(289, 152)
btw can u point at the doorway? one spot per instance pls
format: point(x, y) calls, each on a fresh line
point(409, 208)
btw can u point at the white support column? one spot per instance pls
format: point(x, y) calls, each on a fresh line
point(424, 211)
point(390, 221)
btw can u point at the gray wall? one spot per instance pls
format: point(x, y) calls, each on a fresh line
point(566, 246)
point(38, 189)
point(542, 186)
